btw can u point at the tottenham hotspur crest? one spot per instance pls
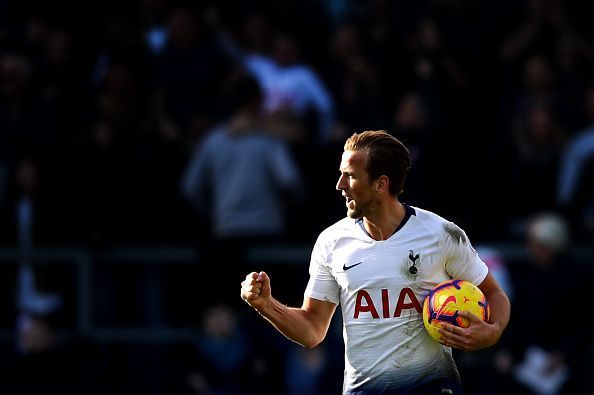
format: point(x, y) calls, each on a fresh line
point(413, 261)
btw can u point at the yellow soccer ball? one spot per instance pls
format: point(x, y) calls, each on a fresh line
point(445, 301)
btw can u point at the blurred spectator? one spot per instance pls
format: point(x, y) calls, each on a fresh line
point(538, 140)
point(538, 86)
point(114, 159)
point(48, 362)
point(575, 191)
point(306, 20)
point(187, 74)
point(23, 219)
point(223, 352)
point(536, 30)
point(544, 349)
point(27, 221)
point(128, 165)
point(290, 86)
point(241, 178)
point(353, 80)
point(305, 370)
point(226, 360)
point(434, 71)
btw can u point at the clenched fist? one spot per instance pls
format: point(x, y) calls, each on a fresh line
point(255, 290)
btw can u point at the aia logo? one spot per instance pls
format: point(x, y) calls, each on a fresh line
point(404, 300)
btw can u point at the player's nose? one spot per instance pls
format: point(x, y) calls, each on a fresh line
point(340, 184)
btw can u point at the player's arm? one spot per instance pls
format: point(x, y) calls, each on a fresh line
point(306, 325)
point(499, 304)
point(480, 334)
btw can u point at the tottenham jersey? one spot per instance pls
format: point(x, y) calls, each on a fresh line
point(381, 286)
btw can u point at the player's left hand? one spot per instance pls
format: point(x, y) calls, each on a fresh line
point(478, 335)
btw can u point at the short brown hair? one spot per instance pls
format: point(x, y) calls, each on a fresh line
point(386, 155)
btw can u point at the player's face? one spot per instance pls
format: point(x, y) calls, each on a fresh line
point(355, 185)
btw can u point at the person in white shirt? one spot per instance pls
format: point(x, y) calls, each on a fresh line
point(290, 85)
point(379, 263)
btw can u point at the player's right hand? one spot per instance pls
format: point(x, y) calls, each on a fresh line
point(255, 289)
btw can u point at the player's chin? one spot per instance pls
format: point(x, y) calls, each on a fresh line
point(355, 214)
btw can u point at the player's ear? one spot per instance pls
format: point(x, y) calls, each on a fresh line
point(383, 183)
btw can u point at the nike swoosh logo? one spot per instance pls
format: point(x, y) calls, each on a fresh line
point(345, 267)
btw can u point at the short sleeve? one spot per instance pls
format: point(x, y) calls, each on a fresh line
point(321, 285)
point(462, 260)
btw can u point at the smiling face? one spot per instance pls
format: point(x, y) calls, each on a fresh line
point(355, 185)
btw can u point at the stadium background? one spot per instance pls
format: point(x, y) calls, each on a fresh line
point(103, 102)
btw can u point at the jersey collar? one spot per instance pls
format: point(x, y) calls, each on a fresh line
point(408, 212)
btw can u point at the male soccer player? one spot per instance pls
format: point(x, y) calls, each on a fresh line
point(379, 263)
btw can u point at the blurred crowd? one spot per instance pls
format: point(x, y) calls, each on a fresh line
point(219, 125)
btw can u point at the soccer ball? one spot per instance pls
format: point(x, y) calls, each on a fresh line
point(446, 299)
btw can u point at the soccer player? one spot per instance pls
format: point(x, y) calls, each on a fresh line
point(379, 263)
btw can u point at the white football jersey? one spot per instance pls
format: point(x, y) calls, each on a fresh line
point(381, 286)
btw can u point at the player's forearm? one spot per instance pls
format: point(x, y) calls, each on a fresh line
point(499, 306)
point(294, 323)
